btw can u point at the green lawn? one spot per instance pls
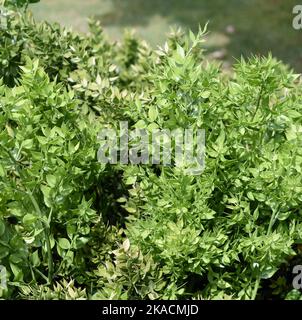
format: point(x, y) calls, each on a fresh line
point(259, 26)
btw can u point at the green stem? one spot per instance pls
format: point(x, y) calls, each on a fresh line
point(272, 221)
point(47, 239)
point(258, 101)
point(41, 274)
point(254, 295)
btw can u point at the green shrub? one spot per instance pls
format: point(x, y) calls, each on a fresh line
point(145, 232)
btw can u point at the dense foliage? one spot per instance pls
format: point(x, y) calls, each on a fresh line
point(73, 228)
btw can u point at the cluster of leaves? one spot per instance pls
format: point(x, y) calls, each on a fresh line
point(73, 228)
point(237, 223)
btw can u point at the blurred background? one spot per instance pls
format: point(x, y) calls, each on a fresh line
point(237, 27)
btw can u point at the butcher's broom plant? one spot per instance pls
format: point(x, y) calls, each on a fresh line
point(74, 228)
